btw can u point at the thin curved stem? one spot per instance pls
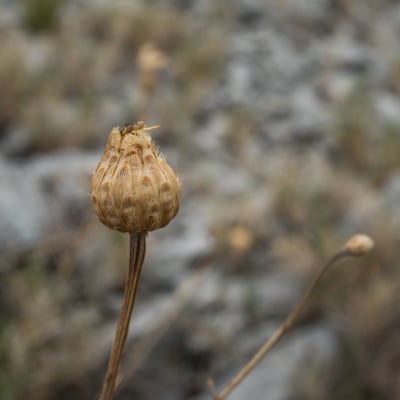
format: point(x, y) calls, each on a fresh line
point(282, 329)
point(136, 258)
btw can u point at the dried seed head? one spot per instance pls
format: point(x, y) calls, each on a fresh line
point(359, 245)
point(133, 188)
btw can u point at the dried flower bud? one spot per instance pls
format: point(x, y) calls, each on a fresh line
point(133, 188)
point(359, 245)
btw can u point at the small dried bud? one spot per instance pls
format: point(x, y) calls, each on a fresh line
point(359, 245)
point(133, 188)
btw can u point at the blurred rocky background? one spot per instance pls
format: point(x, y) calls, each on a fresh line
point(283, 121)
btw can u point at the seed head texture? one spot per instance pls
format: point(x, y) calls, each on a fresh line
point(133, 188)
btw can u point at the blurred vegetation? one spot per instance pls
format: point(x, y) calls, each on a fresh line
point(41, 15)
point(61, 92)
point(368, 144)
point(63, 96)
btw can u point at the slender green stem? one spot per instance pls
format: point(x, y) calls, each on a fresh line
point(136, 258)
point(282, 329)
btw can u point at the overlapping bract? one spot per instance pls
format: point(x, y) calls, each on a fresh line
point(133, 188)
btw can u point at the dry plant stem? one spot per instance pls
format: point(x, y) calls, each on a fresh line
point(183, 294)
point(136, 257)
point(282, 329)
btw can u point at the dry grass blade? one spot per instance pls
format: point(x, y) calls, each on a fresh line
point(358, 245)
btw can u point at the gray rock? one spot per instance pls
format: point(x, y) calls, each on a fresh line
point(44, 196)
point(311, 119)
point(210, 137)
point(310, 11)
point(337, 87)
point(262, 62)
point(24, 218)
point(343, 52)
point(272, 293)
point(16, 142)
point(172, 250)
point(388, 108)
